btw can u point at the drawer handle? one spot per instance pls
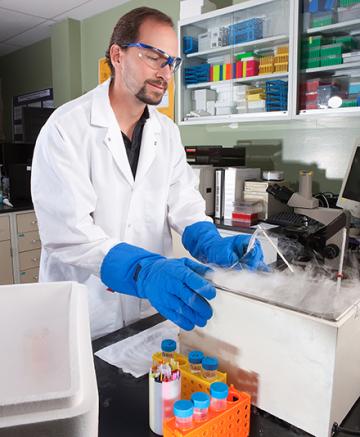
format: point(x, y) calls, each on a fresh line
point(34, 259)
point(34, 241)
point(36, 277)
point(34, 222)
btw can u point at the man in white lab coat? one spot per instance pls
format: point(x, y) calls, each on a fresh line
point(109, 181)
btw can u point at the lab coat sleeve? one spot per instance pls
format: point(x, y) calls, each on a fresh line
point(64, 200)
point(186, 206)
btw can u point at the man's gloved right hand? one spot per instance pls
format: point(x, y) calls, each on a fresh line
point(175, 287)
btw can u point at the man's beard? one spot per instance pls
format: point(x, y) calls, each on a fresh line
point(144, 97)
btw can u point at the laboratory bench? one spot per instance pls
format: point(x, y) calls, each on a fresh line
point(124, 400)
point(21, 206)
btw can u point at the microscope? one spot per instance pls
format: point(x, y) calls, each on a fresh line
point(319, 230)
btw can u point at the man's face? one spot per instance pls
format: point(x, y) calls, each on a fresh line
point(141, 80)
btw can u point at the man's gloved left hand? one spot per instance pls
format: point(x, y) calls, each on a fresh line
point(204, 242)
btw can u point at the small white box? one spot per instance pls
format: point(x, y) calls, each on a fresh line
point(204, 41)
point(47, 376)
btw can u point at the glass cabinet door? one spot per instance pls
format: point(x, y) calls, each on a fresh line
point(236, 63)
point(329, 57)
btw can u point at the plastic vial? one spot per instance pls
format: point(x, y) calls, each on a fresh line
point(201, 403)
point(168, 348)
point(209, 367)
point(183, 412)
point(195, 359)
point(219, 392)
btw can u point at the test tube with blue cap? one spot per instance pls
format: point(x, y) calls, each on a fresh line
point(195, 359)
point(201, 403)
point(209, 367)
point(168, 348)
point(219, 392)
point(183, 412)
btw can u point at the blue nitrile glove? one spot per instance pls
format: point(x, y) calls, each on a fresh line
point(203, 241)
point(173, 286)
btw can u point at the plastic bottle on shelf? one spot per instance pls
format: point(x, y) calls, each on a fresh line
point(183, 412)
point(209, 366)
point(218, 392)
point(168, 348)
point(195, 358)
point(201, 403)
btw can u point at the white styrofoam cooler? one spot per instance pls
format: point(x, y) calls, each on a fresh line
point(300, 368)
point(47, 377)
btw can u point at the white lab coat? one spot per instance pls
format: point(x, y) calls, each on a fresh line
point(86, 199)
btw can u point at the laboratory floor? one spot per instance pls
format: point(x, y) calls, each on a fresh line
point(124, 400)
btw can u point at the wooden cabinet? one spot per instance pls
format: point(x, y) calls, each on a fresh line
point(19, 248)
point(6, 267)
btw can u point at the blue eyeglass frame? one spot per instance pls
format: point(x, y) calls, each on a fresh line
point(170, 60)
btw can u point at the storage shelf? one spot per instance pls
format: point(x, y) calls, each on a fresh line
point(355, 110)
point(257, 44)
point(343, 26)
point(331, 68)
point(240, 80)
point(238, 118)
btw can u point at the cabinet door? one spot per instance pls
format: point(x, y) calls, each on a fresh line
point(329, 60)
point(29, 276)
point(4, 228)
point(6, 270)
point(29, 241)
point(29, 259)
point(26, 222)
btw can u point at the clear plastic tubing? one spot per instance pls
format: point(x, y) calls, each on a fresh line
point(209, 366)
point(183, 412)
point(168, 348)
point(201, 403)
point(219, 392)
point(195, 358)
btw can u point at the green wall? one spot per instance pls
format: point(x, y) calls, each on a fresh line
point(26, 70)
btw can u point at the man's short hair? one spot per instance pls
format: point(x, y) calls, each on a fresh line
point(127, 28)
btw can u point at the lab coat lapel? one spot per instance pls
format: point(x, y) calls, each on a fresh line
point(102, 115)
point(149, 143)
point(115, 143)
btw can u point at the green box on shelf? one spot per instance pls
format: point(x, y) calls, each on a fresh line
point(331, 49)
point(348, 3)
point(331, 60)
point(325, 20)
point(240, 56)
point(310, 63)
point(310, 52)
point(347, 103)
point(347, 41)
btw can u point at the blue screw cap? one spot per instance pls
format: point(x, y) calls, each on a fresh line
point(200, 399)
point(219, 390)
point(210, 363)
point(183, 409)
point(195, 357)
point(168, 345)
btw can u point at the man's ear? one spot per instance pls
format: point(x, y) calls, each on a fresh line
point(115, 53)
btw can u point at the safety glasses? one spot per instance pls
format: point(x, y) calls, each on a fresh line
point(155, 58)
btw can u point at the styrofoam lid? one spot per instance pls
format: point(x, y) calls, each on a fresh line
point(38, 339)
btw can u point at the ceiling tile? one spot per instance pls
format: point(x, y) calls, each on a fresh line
point(90, 8)
point(13, 23)
point(42, 8)
point(7, 48)
point(31, 36)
